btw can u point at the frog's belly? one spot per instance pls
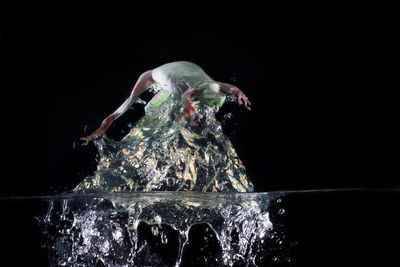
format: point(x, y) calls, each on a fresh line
point(179, 77)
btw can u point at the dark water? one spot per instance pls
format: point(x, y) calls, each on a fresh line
point(294, 228)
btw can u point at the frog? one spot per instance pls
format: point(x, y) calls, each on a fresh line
point(183, 78)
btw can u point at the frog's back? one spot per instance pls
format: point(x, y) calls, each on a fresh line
point(177, 74)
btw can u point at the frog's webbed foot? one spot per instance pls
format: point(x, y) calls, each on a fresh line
point(246, 101)
point(86, 140)
point(242, 98)
point(188, 109)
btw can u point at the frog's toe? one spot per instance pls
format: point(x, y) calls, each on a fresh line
point(198, 114)
point(86, 140)
point(248, 104)
point(239, 100)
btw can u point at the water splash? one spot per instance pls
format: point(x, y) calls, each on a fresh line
point(159, 154)
point(110, 230)
point(110, 220)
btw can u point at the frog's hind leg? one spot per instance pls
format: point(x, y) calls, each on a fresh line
point(143, 83)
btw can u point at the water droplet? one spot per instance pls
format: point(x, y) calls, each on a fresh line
point(228, 116)
point(64, 209)
point(154, 230)
point(141, 101)
point(49, 210)
point(157, 219)
point(164, 238)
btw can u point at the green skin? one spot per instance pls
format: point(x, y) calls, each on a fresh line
point(211, 98)
point(182, 78)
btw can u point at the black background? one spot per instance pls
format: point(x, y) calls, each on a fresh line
point(319, 78)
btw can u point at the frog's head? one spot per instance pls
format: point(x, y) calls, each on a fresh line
point(211, 95)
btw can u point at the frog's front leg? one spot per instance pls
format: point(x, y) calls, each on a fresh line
point(240, 95)
point(188, 107)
